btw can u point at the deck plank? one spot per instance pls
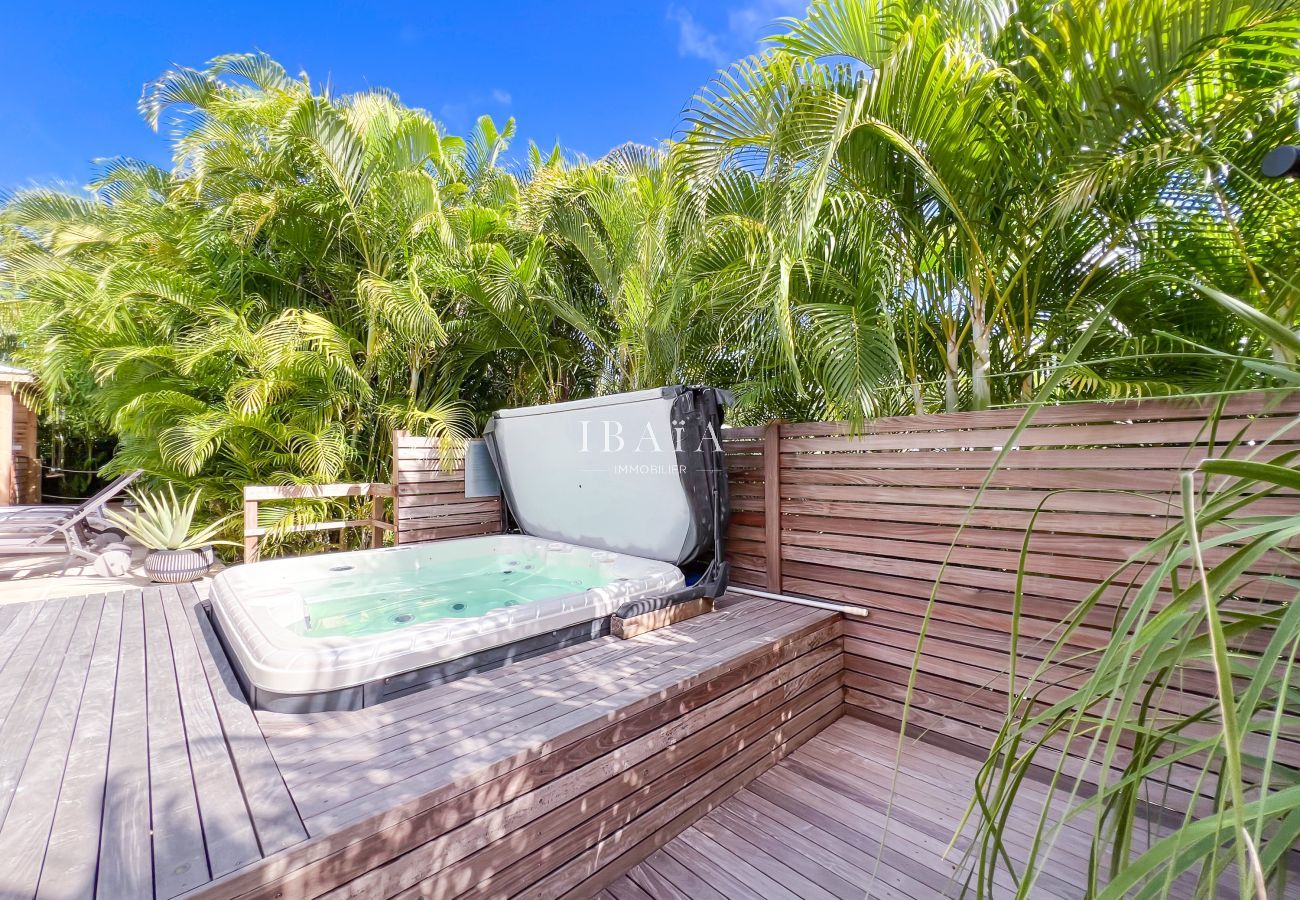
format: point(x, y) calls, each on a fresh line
point(131, 765)
point(380, 782)
point(760, 852)
point(25, 829)
point(819, 817)
point(18, 666)
point(732, 647)
point(357, 735)
point(31, 700)
point(125, 846)
point(68, 871)
point(156, 779)
point(179, 858)
point(661, 876)
point(227, 823)
point(275, 817)
point(19, 619)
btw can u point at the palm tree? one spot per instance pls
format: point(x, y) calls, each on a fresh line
point(1023, 165)
point(265, 311)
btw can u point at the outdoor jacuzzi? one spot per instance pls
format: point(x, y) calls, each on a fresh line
point(612, 505)
point(346, 630)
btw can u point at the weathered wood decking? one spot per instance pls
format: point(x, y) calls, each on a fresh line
point(130, 766)
point(812, 827)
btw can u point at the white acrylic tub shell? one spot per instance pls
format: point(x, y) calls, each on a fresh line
point(254, 604)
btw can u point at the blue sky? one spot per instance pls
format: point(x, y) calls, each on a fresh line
point(592, 74)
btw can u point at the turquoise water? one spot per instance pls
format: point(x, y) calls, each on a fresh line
point(358, 604)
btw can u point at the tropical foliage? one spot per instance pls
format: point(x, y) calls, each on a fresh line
point(163, 521)
point(898, 207)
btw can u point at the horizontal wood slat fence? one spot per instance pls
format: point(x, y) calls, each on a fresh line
point(869, 519)
point(430, 502)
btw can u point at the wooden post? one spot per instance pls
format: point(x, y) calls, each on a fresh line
point(376, 516)
point(396, 480)
point(8, 480)
point(32, 452)
point(250, 526)
point(772, 503)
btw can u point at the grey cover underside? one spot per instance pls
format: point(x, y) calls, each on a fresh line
point(599, 473)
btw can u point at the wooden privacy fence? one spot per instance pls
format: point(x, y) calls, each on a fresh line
point(256, 494)
point(876, 518)
point(870, 519)
point(429, 497)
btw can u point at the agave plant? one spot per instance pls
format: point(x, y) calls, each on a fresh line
point(166, 522)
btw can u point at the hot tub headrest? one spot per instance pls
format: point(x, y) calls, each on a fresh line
point(637, 473)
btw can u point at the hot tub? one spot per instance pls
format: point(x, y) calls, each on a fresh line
point(346, 630)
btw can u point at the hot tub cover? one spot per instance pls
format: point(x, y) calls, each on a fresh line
point(640, 473)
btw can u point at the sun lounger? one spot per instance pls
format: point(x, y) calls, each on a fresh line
point(20, 517)
point(28, 533)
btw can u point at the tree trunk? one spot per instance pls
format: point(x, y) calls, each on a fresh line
point(951, 359)
point(981, 395)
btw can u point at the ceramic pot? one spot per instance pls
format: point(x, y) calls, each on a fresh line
point(178, 566)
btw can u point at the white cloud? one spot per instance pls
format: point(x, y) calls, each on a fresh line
point(501, 96)
point(746, 26)
point(693, 39)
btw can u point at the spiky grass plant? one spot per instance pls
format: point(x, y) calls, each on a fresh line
point(1182, 619)
point(163, 521)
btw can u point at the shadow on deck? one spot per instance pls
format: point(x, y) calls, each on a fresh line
point(711, 758)
point(813, 827)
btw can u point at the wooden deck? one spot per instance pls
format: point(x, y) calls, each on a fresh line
point(812, 828)
point(130, 765)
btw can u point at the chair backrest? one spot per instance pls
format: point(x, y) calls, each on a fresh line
point(112, 489)
point(99, 500)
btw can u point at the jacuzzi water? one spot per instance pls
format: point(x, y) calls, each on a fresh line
point(358, 605)
point(318, 624)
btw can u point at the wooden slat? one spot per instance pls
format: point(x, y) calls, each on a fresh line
point(24, 649)
point(660, 618)
point(384, 782)
point(875, 515)
point(1276, 403)
point(19, 727)
point(70, 859)
point(772, 504)
point(374, 522)
point(179, 858)
point(309, 491)
point(126, 861)
point(579, 725)
point(550, 824)
point(34, 766)
point(689, 803)
point(431, 504)
point(227, 825)
point(835, 817)
point(275, 818)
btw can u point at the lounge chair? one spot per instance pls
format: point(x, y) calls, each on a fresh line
point(69, 537)
point(92, 509)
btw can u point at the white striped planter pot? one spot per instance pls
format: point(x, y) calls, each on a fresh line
point(178, 566)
